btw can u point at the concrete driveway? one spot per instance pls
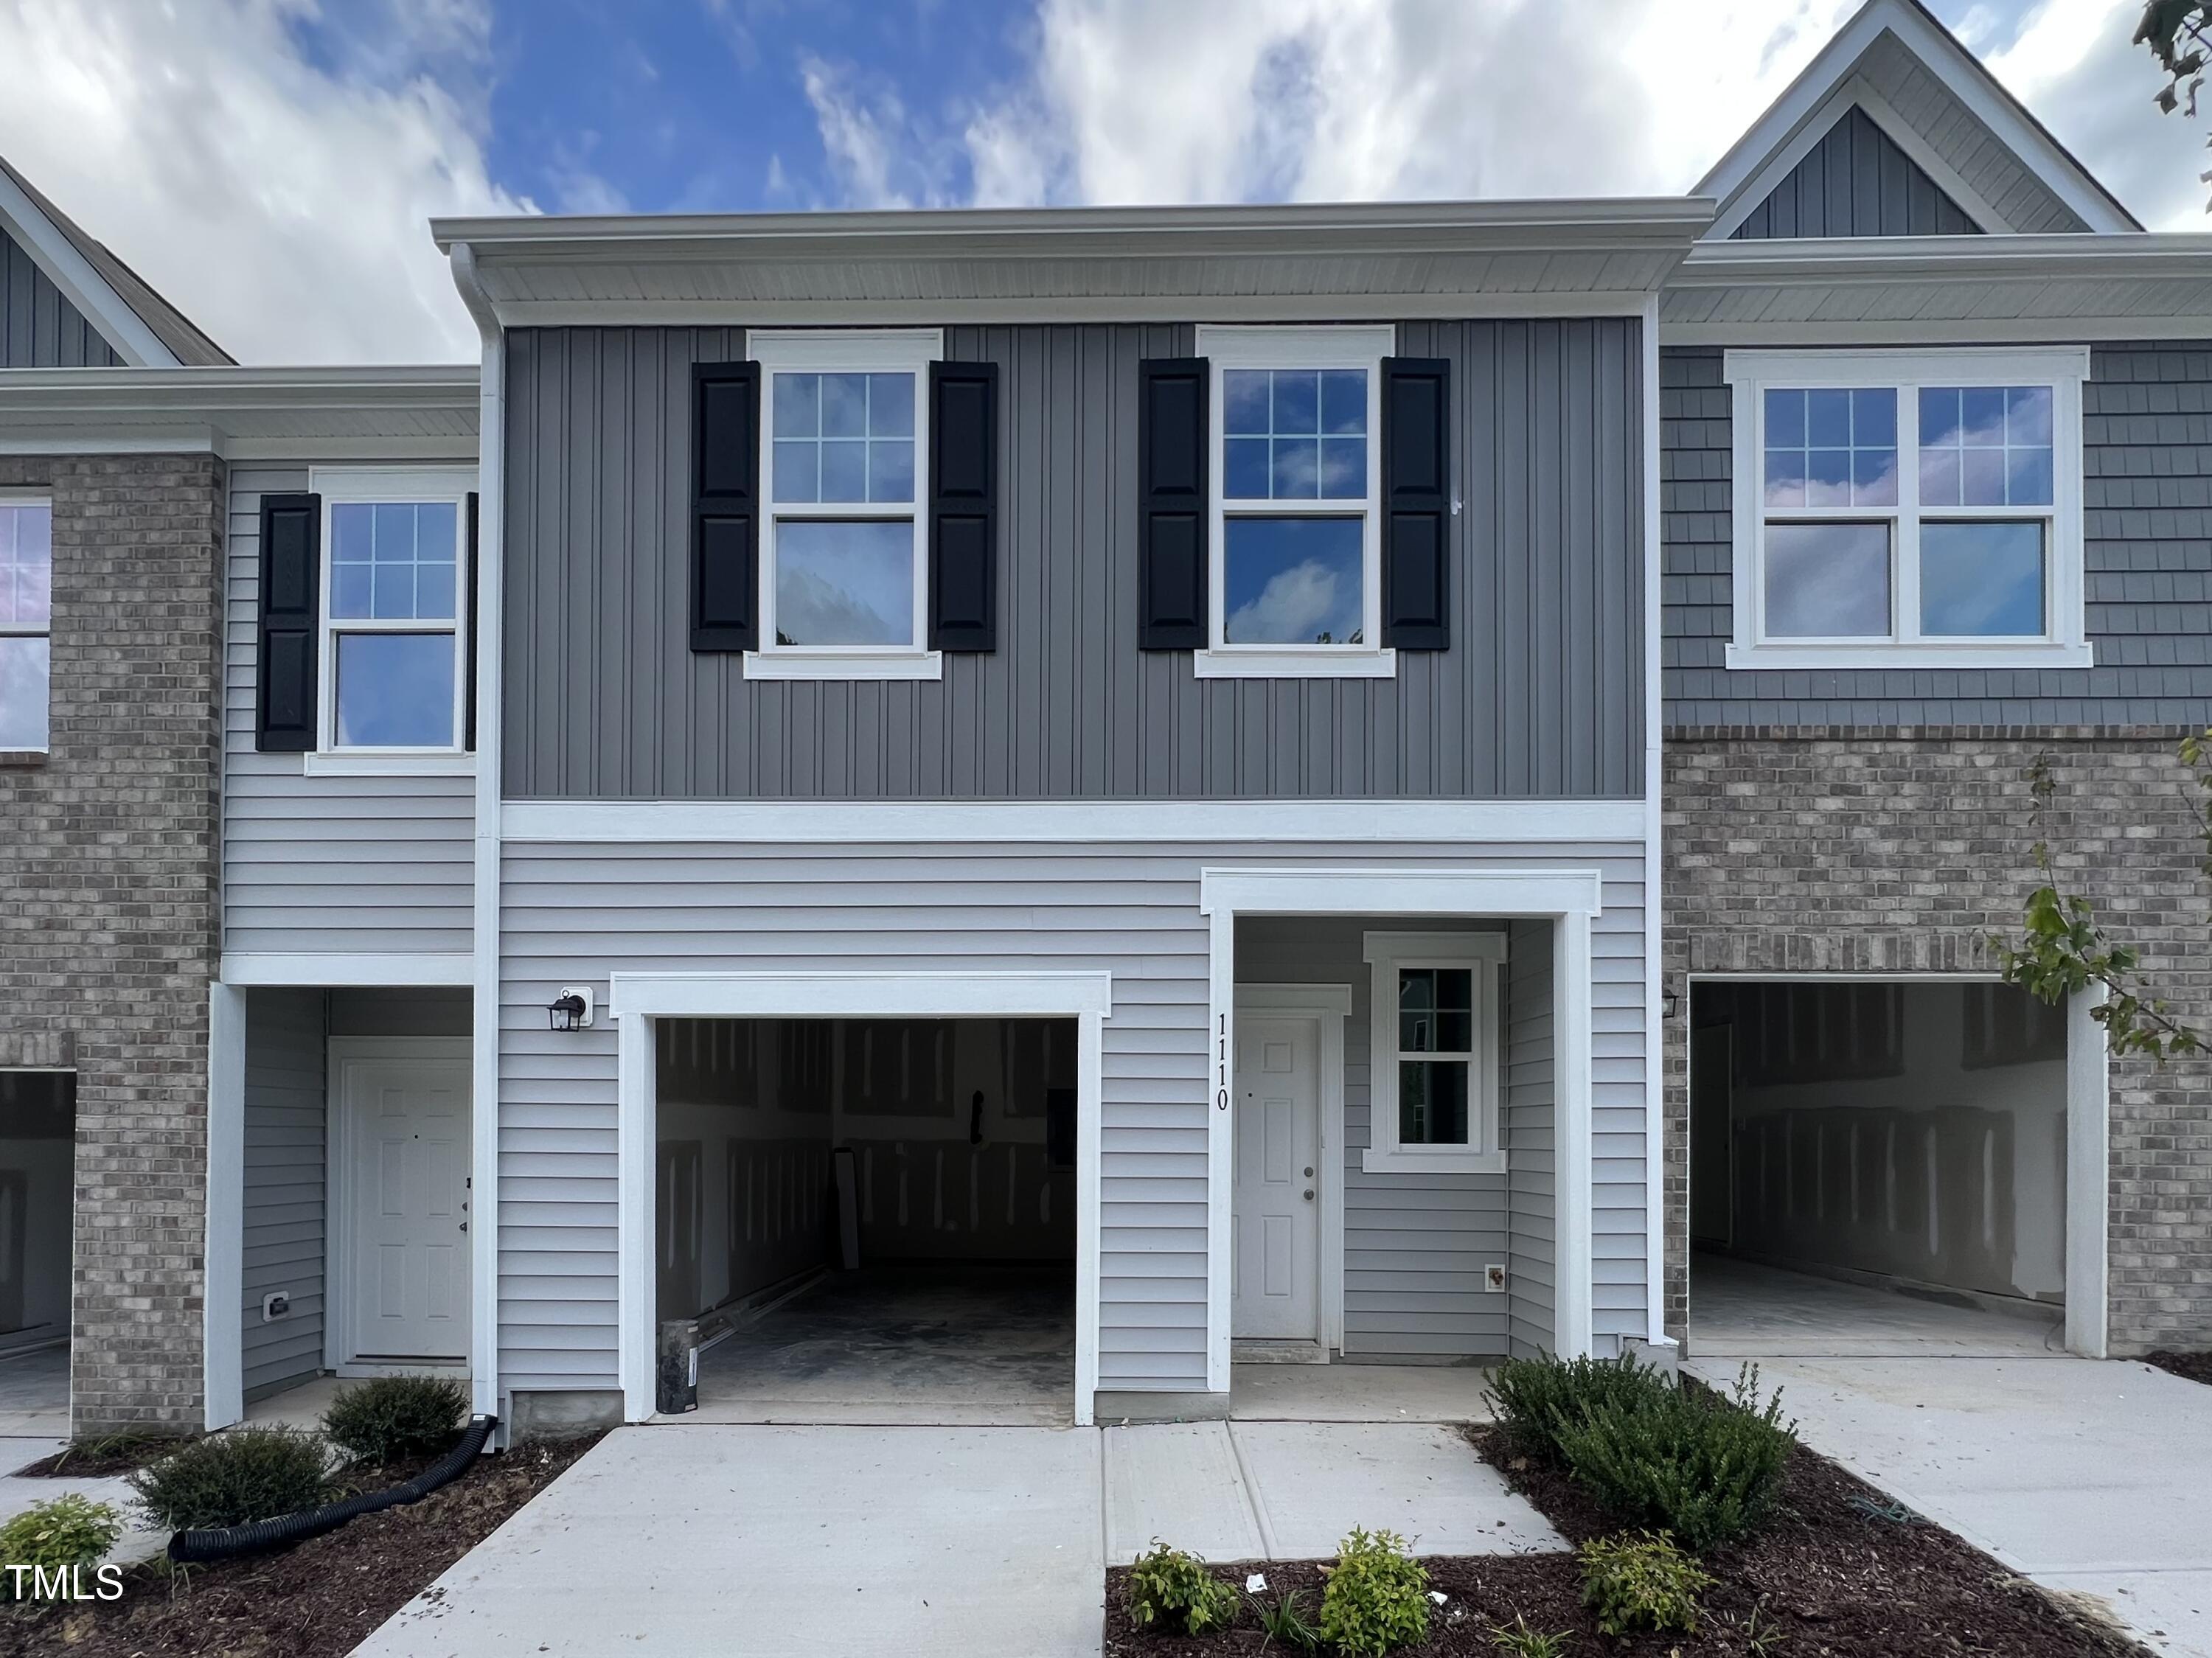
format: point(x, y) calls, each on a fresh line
point(742, 1539)
point(2093, 1478)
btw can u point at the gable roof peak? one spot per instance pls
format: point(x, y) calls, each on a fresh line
point(1895, 61)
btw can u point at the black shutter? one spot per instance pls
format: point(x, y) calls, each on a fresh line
point(1172, 440)
point(963, 506)
point(1417, 503)
point(291, 566)
point(724, 506)
point(469, 646)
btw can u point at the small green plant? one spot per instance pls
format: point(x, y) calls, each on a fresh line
point(1284, 1620)
point(1378, 1598)
point(396, 1416)
point(1534, 1398)
point(1170, 1589)
point(234, 1479)
point(69, 1532)
point(1517, 1640)
point(120, 1444)
point(1636, 1583)
point(1706, 1470)
point(1760, 1640)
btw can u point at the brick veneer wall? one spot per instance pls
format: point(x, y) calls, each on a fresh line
point(1889, 851)
point(107, 907)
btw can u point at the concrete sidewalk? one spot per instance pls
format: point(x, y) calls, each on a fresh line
point(744, 1539)
point(2093, 1478)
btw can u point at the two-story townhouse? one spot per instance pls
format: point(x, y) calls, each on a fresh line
point(1936, 421)
point(1098, 764)
point(202, 566)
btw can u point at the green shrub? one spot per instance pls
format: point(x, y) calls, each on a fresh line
point(1532, 1397)
point(1170, 1590)
point(1378, 1598)
point(1706, 1470)
point(235, 1478)
point(395, 1416)
point(68, 1532)
point(1637, 1583)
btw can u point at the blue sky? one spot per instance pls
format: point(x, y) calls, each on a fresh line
point(273, 165)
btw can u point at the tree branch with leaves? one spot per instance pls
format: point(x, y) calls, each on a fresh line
point(2178, 34)
point(2063, 949)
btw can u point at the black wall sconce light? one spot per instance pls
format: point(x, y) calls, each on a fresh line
point(572, 1009)
point(1670, 1003)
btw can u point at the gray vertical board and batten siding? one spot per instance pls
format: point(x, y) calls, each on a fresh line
point(2147, 520)
point(1539, 696)
point(579, 912)
point(283, 1206)
point(326, 865)
point(39, 328)
point(1856, 182)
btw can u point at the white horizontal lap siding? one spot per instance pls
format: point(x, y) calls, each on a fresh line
point(578, 913)
point(353, 865)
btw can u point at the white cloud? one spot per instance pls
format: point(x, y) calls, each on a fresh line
point(1307, 602)
point(279, 202)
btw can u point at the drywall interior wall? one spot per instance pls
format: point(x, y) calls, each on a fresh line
point(37, 1126)
point(1912, 1130)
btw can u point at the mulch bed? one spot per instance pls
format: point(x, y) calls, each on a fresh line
point(1830, 1575)
point(100, 1458)
point(2190, 1367)
point(319, 1600)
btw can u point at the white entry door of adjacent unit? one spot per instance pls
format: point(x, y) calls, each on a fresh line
point(1275, 1254)
point(405, 1183)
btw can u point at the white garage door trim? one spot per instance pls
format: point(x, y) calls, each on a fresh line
point(636, 999)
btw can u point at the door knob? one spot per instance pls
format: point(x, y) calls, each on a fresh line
point(1309, 1194)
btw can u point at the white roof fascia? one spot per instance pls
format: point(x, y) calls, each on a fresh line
point(82, 286)
point(1961, 74)
point(1829, 261)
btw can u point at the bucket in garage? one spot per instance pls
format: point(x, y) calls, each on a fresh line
point(678, 1369)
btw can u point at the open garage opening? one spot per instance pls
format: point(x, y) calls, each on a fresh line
point(1877, 1166)
point(869, 1219)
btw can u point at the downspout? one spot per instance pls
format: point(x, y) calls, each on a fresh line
point(483, 1092)
point(1654, 958)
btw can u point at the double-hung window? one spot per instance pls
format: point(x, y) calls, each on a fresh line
point(1918, 509)
point(1296, 586)
point(1434, 1082)
point(394, 602)
point(844, 589)
point(27, 621)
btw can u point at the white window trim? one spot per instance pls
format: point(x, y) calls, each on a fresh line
point(345, 486)
point(844, 350)
point(1385, 953)
point(15, 630)
point(1227, 346)
point(1749, 373)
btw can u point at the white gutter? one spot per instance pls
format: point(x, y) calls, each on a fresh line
point(2135, 256)
point(1654, 959)
point(484, 1013)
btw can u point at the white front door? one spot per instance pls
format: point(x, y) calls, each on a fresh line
point(405, 1183)
point(1275, 1249)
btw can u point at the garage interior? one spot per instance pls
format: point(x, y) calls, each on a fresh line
point(872, 1219)
point(1877, 1167)
point(37, 1160)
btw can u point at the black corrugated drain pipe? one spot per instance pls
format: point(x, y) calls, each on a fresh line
point(231, 1541)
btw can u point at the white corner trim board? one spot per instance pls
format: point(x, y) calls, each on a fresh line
point(222, 1316)
point(1569, 898)
point(635, 1001)
point(1075, 822)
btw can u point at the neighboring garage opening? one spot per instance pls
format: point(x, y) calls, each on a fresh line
point(38, 1185)
point(1877, 1166)
point(872, 1219)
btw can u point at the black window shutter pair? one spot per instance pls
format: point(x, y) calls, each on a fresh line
point(961, 501)
point(1174, 449)
point(290, 618)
